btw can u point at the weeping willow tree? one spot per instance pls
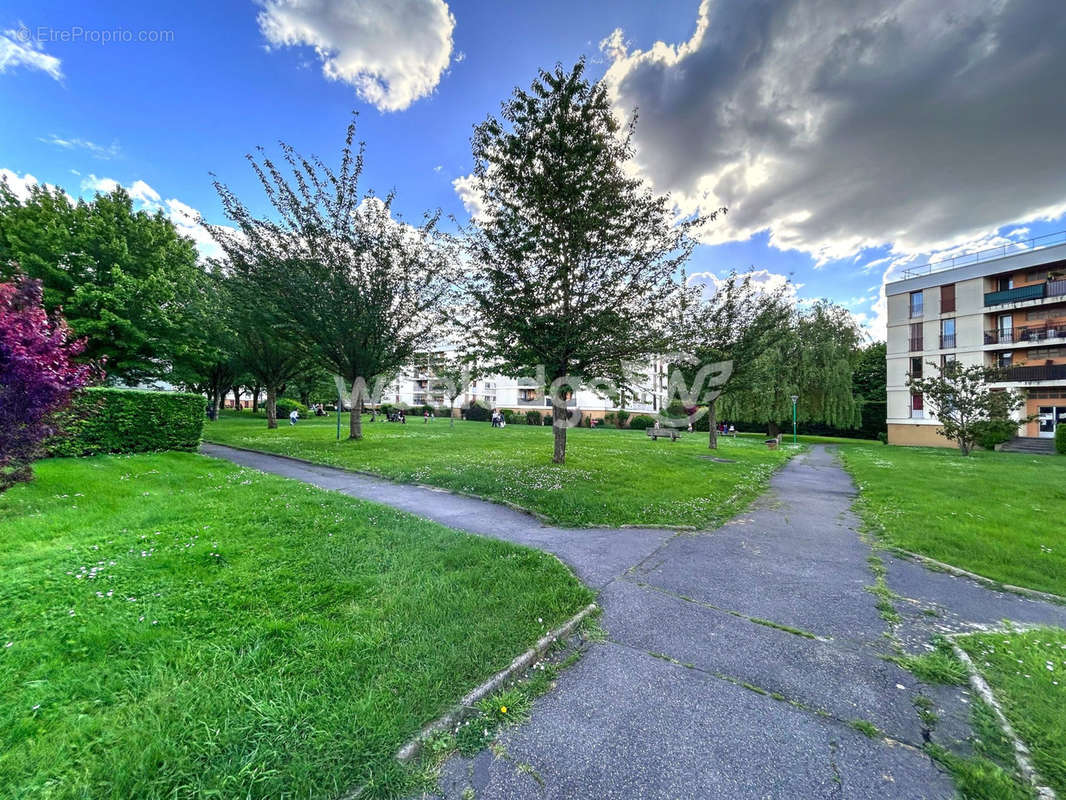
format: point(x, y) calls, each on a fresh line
point(814, 362)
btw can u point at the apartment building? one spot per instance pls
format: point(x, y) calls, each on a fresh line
point(1004, 308)
point(416, 385)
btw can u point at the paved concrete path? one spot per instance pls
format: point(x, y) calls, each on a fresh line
point(736, 660)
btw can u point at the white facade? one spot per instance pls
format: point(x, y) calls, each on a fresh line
point(415, 387)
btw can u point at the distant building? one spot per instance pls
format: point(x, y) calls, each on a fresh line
point(415, 386)
point(1004, 308)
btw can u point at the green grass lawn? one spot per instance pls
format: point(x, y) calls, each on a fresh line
point(997, 514)
point(1027, 673)
point(173, 626)
point(611, 477)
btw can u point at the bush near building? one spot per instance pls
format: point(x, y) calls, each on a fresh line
point(102, 420)
point(533, 417)
point(641, 422)
point(1060, 439)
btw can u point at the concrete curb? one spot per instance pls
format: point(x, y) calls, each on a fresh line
point(1021, 752)
point(989, 582)
point(414, 747)
point(543, 520)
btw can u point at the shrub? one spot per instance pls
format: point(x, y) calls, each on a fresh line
point(478, 413)
point(991, 432)
point(104, 420)
point(512, 417)
point(285, 406)
point(37, 376)
point(622, 416)
point(1060, 439)
point(882, 437)
point(533, 417)
point(641, 422)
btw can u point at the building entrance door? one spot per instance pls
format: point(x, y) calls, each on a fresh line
point(1050, 417)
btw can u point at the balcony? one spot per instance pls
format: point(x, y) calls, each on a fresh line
point(1038, 291)
point(1034, 292)
point(1048, 372)
point(947, 341)
point(916, 345)
point(1035, 334)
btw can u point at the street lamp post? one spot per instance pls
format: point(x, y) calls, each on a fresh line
point(794, 399)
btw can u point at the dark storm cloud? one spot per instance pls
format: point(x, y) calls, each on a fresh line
point(839, 125)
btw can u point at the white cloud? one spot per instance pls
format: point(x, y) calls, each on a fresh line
point(101, 185)
point(97, 150)
point(466, 188)
point(761, 279)
point(392, 51)
point(18, 49)
point(839, 126)
point(19, 185)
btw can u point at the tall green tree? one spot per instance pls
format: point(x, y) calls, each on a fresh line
point(206, 357)
point(345, 274)
point(870, 376)
point(575, 257)
point(120, 276)
point(266, 346)
point(813, 361)
point(736, 325)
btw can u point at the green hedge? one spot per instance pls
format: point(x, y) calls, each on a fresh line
point(103, 420)
point(284, 406)
point(641, 422)
point(1060, 439)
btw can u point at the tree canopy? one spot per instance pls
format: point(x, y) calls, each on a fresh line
point(345, 274)
point(120, 276)
point(574, 257)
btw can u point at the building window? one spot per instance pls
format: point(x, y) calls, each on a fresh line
point(916, 367)
point(917, 405)
point(1039, 276)
point(947, 333)
point(1006, 359)
point(1036, 353)
point(1005, 284)
point(947, 298)
point(917, 304)
point(945, 359)
point(916, 342)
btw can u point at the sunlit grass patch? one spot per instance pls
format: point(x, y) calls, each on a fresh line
point(175, 626)
point(611, 477)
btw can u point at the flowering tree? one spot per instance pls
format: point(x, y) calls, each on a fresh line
point(37, 375)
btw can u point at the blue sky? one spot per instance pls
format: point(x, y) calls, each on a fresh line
point(846, 144)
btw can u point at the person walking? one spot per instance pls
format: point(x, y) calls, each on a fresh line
point(293, 416)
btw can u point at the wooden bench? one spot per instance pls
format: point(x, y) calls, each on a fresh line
point(667, 433)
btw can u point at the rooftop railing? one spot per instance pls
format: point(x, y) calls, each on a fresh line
point(989, 254)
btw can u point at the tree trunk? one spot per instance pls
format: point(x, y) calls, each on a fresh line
point(712, 424)
point(272, 407)
point(212, 405)
point(559, 416)
point(355, 421)
point(237, 398)
point(773, 430)
point(451, 416)
point(255, 398)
